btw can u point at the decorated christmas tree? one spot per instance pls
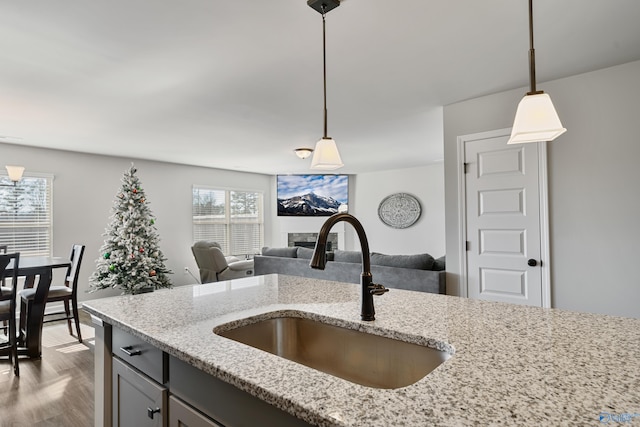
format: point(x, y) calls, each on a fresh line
point(130, 258)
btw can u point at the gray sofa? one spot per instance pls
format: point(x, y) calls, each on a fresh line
point(412, 272)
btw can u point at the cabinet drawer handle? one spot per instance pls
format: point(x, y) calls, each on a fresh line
point(151, 411)
point(129, 351)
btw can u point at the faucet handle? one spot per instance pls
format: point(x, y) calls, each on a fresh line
point(375, 289)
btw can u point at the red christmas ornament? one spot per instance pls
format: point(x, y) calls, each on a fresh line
point(152, 273)
point(135, 190)
point(141, 250)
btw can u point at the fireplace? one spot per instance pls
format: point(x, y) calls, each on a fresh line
point(308, 240)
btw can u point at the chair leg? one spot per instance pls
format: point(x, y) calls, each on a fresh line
point(68, 313)
point(23, 320)
point(16, 369)
point(13, 342)
point(76, 318)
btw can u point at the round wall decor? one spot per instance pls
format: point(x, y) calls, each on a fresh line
point(400, 210)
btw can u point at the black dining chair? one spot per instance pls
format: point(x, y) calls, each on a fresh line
point(3, 285)
point(8, 308)
point(3, 250)
point(66, 293)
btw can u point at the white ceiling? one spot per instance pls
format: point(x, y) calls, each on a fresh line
point(238, 84)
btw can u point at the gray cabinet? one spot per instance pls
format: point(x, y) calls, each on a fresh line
point(140, 354)
point(138, 401)
point(139, 398)
point(139, 385)
point(224, 402)
point(183, 415)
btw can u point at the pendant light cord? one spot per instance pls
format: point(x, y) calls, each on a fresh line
point(324, 64)
point(532, 55)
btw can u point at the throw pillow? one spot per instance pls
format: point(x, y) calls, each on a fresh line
point(305, 253)
point(439, 264)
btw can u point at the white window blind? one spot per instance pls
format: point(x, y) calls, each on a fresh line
point(26, 221)
point(233, 218)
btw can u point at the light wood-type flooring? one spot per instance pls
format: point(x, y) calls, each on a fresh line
point(55, 391)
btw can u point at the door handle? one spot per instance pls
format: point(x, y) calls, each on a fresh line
point(532, 262)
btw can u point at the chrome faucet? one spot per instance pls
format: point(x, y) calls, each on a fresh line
point(319, 261)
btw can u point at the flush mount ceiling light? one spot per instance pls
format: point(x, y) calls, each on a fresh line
point(326, 155)
point(303, 153)
point(536, 118)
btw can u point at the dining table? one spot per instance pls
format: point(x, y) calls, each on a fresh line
point(30, 330)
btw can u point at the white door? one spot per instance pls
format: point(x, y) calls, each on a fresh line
point(503, 220)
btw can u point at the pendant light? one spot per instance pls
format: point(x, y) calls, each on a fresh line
point(15, 174)
point(325, 155)
point(536, 118)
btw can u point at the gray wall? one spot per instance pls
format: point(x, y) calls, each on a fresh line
point(427, 234)
point(594, 201)
point(84, 188)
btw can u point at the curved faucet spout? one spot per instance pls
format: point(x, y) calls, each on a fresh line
point(319, 261)
point(319, 258)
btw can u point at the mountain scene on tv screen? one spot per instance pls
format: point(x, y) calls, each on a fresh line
point(308, 205)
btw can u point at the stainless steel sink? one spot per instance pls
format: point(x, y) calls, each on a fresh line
point(356, 356)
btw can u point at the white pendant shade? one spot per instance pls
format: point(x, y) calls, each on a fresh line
point(536, 120)
point(326, 155)
point(15, 172)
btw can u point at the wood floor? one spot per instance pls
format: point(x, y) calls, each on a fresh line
point(54, 391)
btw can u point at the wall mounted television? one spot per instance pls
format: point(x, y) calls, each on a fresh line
point(312, 195)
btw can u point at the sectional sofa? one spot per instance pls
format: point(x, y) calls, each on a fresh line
point(420, 272)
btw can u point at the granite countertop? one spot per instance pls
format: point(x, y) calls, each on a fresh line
point(512, 365)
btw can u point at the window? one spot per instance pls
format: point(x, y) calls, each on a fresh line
point(233, 218)
point(25, 215)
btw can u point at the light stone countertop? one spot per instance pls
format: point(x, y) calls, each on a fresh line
point(512, 365)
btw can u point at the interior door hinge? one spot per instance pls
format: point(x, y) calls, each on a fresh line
point(468, 245)
point(466, 167)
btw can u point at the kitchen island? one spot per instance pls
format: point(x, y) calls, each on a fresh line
point(510, 365)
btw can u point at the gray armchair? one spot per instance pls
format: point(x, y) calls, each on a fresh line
point(214, 266)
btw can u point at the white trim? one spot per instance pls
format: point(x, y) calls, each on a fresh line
point(544, 212)
point(462, 219)
point(545, 254)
